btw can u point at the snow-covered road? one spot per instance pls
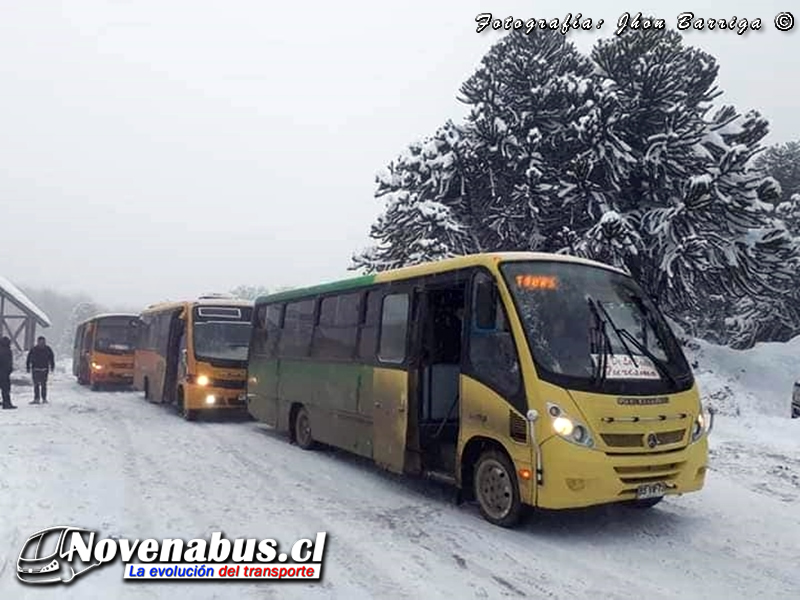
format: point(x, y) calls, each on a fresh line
point(112, 462)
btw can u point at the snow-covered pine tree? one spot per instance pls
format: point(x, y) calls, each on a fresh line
point(422, 191)
point(789, 212)
point(698, 201)
point(529, 163)
point(614, 158)
point(782, 161)
point(662, 90)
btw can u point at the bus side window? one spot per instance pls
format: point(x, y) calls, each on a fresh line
point(492, 352)
point(298, 325)
point(394, 329)
point(369, 328)
point(268, 329)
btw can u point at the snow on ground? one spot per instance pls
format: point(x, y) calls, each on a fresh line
point(755, 381)
point(112, 462)
point(755, 441)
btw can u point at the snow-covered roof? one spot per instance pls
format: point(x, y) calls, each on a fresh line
point(23, 302)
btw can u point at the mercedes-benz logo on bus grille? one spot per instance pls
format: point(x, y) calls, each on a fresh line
point(652, 440)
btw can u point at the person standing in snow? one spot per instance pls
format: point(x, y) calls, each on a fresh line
point(41, 361)
point(6, 366)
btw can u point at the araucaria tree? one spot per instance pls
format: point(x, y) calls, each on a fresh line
point(616, 156)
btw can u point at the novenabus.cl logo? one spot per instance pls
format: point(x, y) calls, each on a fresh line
point(47, 556)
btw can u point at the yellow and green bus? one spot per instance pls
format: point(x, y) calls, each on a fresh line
point(193, 354)
point(521, 378)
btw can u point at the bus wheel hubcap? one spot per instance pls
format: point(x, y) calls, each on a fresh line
point(494, 489)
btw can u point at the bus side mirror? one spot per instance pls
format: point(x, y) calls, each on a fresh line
point(485, 305)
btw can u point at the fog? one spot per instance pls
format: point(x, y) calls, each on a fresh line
point(153, 150)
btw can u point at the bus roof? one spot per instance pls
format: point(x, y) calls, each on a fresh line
point(197, 302)
point(102, 316)
point(449, 264)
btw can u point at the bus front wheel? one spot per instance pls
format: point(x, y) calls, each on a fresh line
point(302, 429)
point(189, 415)
point(497, 490)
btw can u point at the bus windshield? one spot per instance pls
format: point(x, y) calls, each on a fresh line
point(221, 340)
point(116, 335)
point(591, 329)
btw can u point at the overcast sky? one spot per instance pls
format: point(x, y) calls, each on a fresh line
point(159, 149)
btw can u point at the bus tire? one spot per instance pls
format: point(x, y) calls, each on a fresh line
point(497, 489)
point(301, 426)
point(189, 415)
point(146, 387)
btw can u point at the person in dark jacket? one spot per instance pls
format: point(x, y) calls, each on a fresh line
point(41, 361)
point(6, 366)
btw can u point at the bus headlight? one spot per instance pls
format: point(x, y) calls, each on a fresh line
point(210, 399)
point(702, 424)
point(568, 428)
point(698, 427)
point(563, 426)
point(202, 380)
point(97, 366)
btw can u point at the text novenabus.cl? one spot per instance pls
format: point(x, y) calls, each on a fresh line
point(76, 550)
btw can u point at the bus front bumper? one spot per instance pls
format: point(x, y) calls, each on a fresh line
point(112, 377)
point(575, 477)
point(210, 398)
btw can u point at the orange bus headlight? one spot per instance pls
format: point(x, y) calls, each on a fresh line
point(97, 366)
point(211, 399)
point(202, 380)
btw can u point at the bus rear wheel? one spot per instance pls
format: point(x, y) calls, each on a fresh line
point(302, 429)
point(497, 490)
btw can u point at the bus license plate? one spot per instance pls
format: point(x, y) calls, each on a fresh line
point(650, 490)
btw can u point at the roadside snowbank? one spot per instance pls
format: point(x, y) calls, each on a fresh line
point(747, 382)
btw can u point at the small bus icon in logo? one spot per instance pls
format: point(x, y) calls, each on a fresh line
point(45, 557)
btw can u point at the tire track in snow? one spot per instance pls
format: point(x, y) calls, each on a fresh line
point(763, 471)
point(315, 512)
point(150, 467)
point(422, 526)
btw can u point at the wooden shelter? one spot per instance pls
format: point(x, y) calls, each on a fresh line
point(19, 316)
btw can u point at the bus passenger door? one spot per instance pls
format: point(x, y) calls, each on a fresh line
point(177, 327)
point(263, 365)
point(390, 383)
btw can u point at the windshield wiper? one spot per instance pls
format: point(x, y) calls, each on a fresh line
point(618, 331)
point(624, 333)
point(600, 343)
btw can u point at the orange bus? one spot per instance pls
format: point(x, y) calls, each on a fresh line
point(193, 354)
point(103, 350)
